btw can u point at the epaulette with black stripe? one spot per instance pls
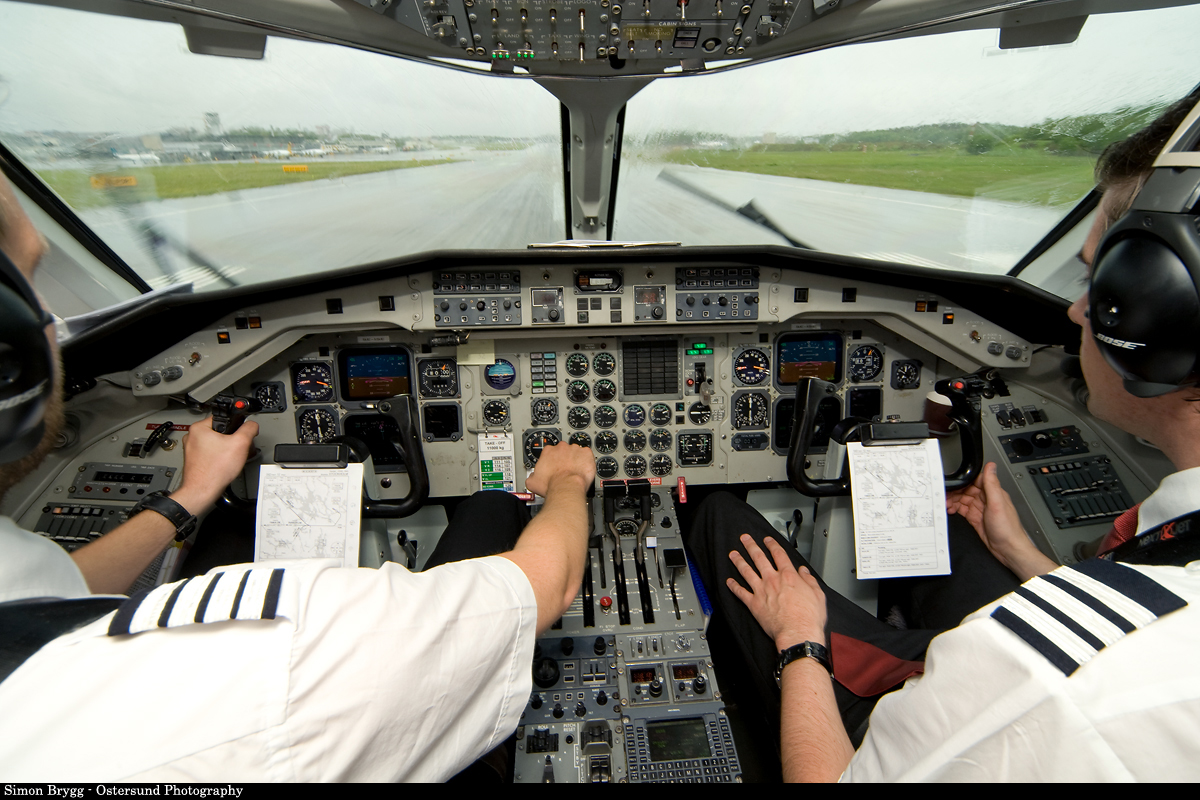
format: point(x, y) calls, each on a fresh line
point(253, 594)
point(1073, 613)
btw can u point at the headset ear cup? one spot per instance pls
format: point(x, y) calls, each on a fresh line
point(26, 376)
point(1144, 310)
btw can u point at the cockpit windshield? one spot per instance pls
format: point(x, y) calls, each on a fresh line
point(941, 151)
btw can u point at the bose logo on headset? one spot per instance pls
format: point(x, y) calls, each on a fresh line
point(1119, 342)
point(24, 397)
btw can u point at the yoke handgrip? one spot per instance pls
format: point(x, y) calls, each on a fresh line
point(403, 410)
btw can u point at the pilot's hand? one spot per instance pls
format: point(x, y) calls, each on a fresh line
point(992, 514)
point(211, 461)
point(563, 465)
point(788, 603)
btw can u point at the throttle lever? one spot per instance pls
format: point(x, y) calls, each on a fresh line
point(230, 411)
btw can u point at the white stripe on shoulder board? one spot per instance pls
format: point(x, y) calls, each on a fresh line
point(184, 612)
point(251, 604)
point(1052, 629)
point(220, 604)
point(1131, 610)
point(1087, 617)
point(147, 614)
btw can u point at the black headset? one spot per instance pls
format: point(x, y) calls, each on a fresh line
point(26, 364)
point(1144, 296)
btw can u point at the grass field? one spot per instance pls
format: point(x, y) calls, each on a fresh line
point(192, 180)
point(1037, 178)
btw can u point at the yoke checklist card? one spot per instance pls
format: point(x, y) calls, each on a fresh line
point(308, 513)
point(899, 501)
point(497, 463)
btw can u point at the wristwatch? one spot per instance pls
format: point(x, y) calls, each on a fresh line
point(817, 652)
point(180, 517)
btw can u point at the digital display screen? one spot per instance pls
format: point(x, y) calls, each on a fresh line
point(675, 739)
point(544, 298)
point(371, 376)
point(642, 674)
point(648, 295)
point(809, 355)
point(124, 477)
point(684, 672)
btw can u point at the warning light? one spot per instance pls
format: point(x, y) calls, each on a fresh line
point(959, 385)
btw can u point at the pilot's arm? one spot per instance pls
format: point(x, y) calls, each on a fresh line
point(790, 606)
point(211, 461)
point(992, 514)
point(553, 547)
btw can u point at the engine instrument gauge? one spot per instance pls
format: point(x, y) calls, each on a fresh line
point(751, 367)
point(607, 467)
point(660, 414)
point(578, 391)
point(577, 365)
point(695, 449)
point(626, 527)
point(751, 410)
point(579, 417)
point(660, 440)
point(606, 442)
point(544, 411)
point(699, 414)
point(634, 416)
point(312, 382)
point(604, 364)
point(316, 425)
point(270, 397)
point(581, 439)
point(500, 375)
point(606, 417)
point(438, 377)
point(605, 390)
point(535, 442)
point(495, 412)
point(661, 465)
point(635, 441)
point(865, 363)
point(635, 466)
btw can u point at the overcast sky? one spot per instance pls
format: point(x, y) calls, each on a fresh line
point(67, 70)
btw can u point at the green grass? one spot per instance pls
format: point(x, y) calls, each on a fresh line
point(193, 180)
point(1037, 178)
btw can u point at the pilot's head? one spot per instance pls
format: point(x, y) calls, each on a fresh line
point(30, 377)
point(1121, 171)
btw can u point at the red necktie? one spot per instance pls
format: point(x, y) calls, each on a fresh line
point(865, 669)
point(1123, 529)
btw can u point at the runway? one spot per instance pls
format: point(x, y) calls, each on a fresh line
point(509, 199)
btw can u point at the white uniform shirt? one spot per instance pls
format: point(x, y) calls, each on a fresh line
point(363, 675)
point(33, 566)
point(992, 707)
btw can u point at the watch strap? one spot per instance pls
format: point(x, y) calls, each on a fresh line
point(177, 515)
point(817, 652)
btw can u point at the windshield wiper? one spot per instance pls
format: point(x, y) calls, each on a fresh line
point(749, 210)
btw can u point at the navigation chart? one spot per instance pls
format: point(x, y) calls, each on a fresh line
point(899, 502)
point(308, 513)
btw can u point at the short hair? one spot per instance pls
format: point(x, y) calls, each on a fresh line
point(1124, 166)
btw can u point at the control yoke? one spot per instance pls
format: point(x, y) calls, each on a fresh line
point(965, 395)
point(403, 409)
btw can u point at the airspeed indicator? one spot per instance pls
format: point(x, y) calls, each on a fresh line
point(751, 367)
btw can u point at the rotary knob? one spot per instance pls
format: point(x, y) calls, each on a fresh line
point(599, 647)
point(722, 300)
point(580, 709)
point(481, 305)
point(558, 711)
point(553, 315)
point(462, 306)
point(699, 685)
point(691, 301)
point(657, 312)
point(568, 646)
point(445, 305)
point(656, 688)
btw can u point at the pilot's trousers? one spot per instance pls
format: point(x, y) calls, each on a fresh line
point(722, 518)
point(485, 524)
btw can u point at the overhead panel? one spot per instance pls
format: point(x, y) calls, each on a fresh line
point(552, 34)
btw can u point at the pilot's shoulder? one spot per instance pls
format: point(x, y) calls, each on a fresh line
point(1070, 615)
